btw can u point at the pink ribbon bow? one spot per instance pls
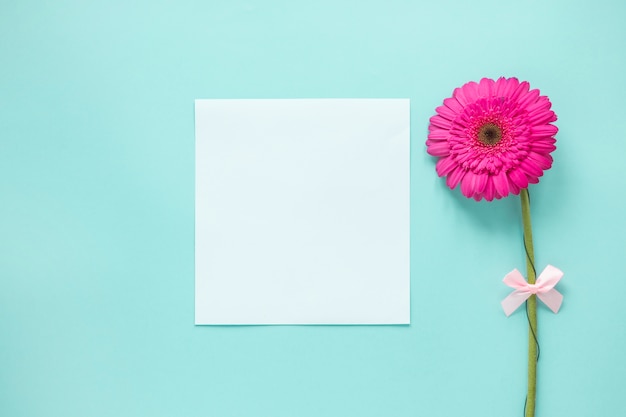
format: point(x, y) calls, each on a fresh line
point(543, 288)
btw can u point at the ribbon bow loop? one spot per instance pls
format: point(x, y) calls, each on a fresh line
point(543, 288)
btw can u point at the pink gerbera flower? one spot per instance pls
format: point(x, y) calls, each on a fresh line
point(492, 137)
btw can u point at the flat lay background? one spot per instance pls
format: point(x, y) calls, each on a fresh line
point(97, 210)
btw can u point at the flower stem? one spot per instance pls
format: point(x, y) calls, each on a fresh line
point(531, 306)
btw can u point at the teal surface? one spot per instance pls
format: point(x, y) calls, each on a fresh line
point(97, 210)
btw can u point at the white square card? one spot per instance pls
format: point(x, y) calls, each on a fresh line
point(302, 211)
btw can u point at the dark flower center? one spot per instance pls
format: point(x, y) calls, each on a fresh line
point(489, 134)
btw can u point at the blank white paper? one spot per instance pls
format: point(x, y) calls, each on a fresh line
point(302, 211)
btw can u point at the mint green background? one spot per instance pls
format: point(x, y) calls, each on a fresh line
point(97, 210)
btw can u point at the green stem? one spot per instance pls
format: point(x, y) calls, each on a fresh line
point(531, 306)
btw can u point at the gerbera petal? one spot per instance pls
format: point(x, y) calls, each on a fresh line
point(544, 161)
point(539, 118)
point(501, 183)
point(533, 180)
point(447, 112)
point(480, 182)
point(472, 91)
point(455, 177)
point(486, 87)
point(440, 122)
point(444, 166)
point(439, 134)
point(542, 104)
point(521, 88)
point(528, 99)
point(458, 92)
point(453, 105)
point(504, 87)
point(543, 145)
point(438, 147)
point(544, 130)
point(531, 168)
point(473, 184)
point(466, 94)
point(490, 189)
point(466, 184)
point(518, 178)
point(513, 188)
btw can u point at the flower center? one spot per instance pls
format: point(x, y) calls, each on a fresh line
point(490, 134)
